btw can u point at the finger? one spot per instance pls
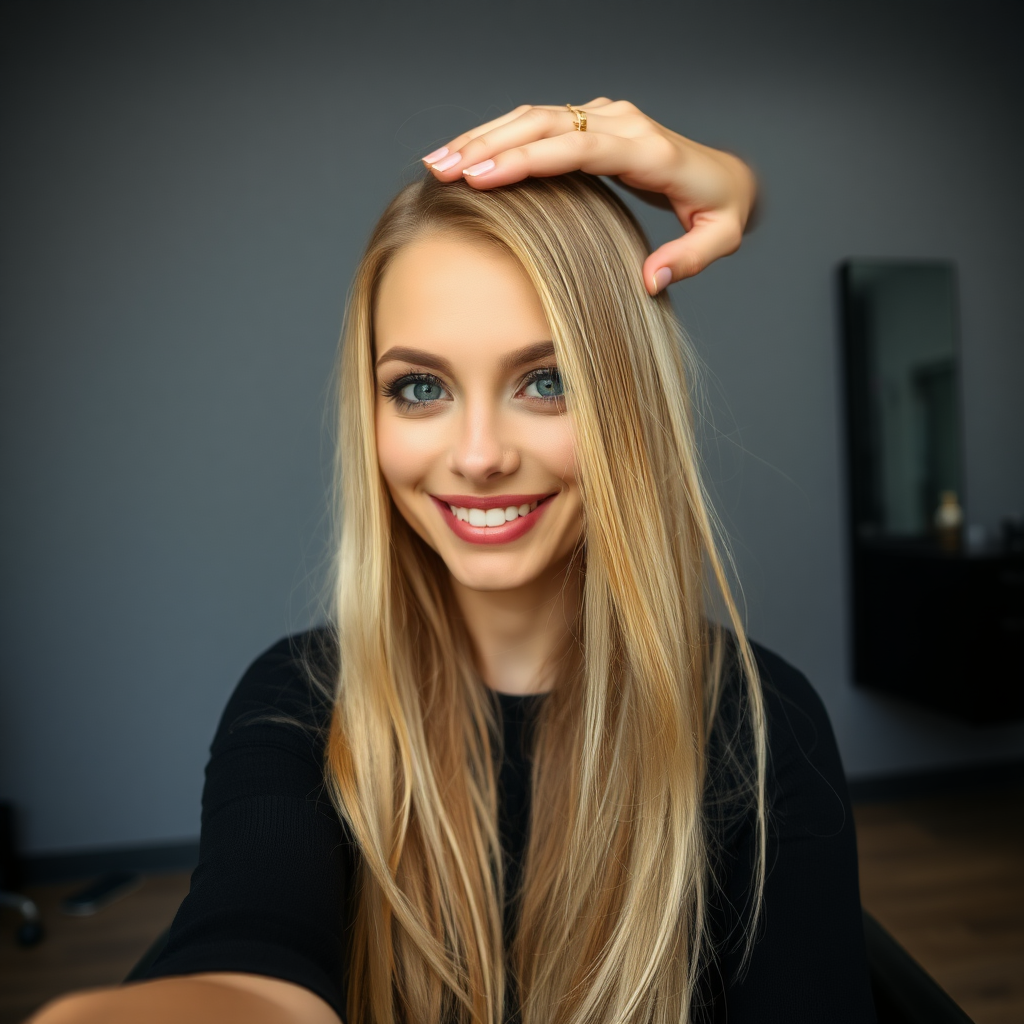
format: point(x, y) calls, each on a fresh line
point(460, 140)
point(594, 153)
point(709, 238)
point(573, 151)
point(536, 124)
point(457, 145)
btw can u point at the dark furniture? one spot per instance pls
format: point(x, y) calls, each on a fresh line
point(942, 629)
point(30, 931)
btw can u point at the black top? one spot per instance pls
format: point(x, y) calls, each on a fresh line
point(270, 894)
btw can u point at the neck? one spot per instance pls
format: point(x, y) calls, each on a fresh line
point(521, 635)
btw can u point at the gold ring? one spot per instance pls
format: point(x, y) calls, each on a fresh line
point(579, 117)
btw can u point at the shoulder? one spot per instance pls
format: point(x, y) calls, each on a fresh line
point(290, 683)
point(272, 735)
point(268, 896)
point(805, 784)
point(794, 712)
point(800, 737)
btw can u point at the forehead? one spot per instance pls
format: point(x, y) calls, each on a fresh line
point(447, 291)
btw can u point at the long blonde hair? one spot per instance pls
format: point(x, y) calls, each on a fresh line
point(617, 869)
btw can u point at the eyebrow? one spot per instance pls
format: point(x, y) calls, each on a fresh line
point(538, 350)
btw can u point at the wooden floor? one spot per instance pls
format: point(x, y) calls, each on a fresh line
point(944, 876)
point(81, 952)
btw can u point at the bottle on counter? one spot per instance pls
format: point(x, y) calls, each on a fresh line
point(949, 521)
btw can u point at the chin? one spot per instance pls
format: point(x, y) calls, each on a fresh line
point(490, 577)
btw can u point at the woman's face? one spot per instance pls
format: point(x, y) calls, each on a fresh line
point(470, 414)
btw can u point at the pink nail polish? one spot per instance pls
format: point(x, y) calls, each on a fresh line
point(481, 168)
point(448, 161)
point(432, 158)
point(662, 279)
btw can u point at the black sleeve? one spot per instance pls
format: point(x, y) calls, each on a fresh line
point(269, 893)
point(808, 964)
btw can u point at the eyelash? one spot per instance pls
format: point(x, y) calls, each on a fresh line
point(392, 390)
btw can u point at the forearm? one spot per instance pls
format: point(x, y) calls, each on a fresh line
point(199, 999)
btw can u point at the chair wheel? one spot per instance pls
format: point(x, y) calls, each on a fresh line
point(30, 933)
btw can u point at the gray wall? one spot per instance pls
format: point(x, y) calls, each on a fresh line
point(185, 191)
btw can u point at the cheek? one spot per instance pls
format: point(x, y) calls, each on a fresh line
point(554, 446)
point(404, 453)
point(389, 452)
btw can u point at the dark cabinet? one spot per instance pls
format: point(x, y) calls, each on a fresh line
point(942, 629)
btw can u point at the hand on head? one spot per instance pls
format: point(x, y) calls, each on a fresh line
point(711, 192)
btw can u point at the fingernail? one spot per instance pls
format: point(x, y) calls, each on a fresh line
point(662, 279)
point(448, 161)
point(481, 168)
point(431, 158)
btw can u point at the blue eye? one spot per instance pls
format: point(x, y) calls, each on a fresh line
point(422, 391)
point(414, 389)
point(544, 384)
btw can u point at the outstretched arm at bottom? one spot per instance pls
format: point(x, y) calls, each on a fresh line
point(193, 999)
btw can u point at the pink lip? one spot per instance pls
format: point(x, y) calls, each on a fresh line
point(491, 534)
point(494, 501)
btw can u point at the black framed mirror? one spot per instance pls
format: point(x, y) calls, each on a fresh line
point(903, 396)
point(934, 622)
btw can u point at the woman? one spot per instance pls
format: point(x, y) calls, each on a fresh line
point(540, 782)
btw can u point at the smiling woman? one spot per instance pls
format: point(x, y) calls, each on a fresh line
point(531, 778)
point(464, 304)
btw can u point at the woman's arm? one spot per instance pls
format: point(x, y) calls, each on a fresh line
point(197, 999)
point(711, 192)
point(259, 937)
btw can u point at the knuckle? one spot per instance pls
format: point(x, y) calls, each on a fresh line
point(583, 141)
point(690, 263)
point(473, 148)
point(732, 239)
point(661, 150)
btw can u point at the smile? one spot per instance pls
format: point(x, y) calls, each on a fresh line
point(499, 519)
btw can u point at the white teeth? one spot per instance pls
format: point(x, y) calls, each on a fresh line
point(492, 516)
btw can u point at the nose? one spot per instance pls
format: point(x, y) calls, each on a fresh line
point(482, 450)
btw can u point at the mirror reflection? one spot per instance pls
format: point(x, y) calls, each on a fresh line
point(904, 397)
